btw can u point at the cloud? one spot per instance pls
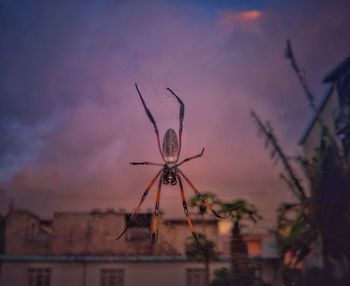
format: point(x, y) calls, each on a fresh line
point(69, 85)
point(240, 22)
point(229, 18)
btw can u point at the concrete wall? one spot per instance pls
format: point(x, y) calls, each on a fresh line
point(93, 234)
point(22, 235)
point(177, 233)
point(83, 233)
point(135, 274)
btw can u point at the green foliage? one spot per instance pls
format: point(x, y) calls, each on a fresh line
point(239, 209)
point(222, 277)
point(324, 213)
point(196, 202)
point(241, 267)
point(202, 251)
point(296, 232)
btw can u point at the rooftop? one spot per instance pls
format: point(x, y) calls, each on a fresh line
point(331, 77)
point(338, 71)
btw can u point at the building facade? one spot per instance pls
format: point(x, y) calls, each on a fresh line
point(80, 249)
point(334, 113)
point(333, 110)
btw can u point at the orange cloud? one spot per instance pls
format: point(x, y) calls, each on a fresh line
point(231, 18)
point(250, 15)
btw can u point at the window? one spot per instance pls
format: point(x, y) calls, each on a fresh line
point(196, 277)
point(39, 276)
point(112, 277)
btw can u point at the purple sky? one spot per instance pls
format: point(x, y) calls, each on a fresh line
point(71, 119)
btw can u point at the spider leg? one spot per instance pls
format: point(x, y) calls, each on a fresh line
point(156, 213)
point(150, 117)
point(182, 115)
point(191, 158)
point(146, 163)
point(184, 204)
point(199, 195)
point(137, 209)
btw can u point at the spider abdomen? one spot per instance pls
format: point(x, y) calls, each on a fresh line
point(170, 147)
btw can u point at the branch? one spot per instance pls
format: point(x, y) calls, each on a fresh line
point(303, 81)
point(277, 152)
point(300, 75)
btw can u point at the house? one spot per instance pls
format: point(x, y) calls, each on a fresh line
point(334, 113)
point(79, 248)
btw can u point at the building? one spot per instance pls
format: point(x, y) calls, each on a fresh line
point(79, 248)
point(334, 112)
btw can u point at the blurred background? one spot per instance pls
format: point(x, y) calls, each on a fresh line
point(266, 88)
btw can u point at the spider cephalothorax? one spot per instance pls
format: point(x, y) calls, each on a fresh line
point(170, 172)
point(169, 175)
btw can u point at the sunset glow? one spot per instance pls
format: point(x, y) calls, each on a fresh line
point(71, 119)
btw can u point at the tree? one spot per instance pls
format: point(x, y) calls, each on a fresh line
point(241, 268)
point(204, 250)
point(197, 202)
point(222, 277)
point(324, 212)
point(291, 217)
point(320, 216)
point(328, 174)
point(296, 232)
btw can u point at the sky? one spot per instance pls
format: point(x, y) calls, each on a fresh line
point(71, 120)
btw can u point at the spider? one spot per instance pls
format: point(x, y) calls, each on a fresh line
point(170, 173)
